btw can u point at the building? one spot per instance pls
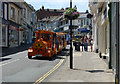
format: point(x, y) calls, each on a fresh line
point(106, 33)
point(49, 23)
point(19, 22)
point(11, 20)
point(46, 14)
point(28, 13)
point(84, 24)
point(79, 25)
point(100, 27)
point(1, 24)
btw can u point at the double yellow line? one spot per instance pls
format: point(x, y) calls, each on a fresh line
point(49, 72)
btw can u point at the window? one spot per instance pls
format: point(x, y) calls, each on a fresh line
point(87, 22)
point(18, 16)
point(2, 10)
point(38, 36)
point(66, 21)
point(28, 14)
point(12, 13)
point(81, 23)
point(84, 21)
point(24, 12)
point(46, 37)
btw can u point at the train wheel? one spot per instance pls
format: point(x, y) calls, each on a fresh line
point(30, 57)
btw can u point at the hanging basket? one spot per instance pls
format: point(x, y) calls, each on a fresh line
point(71, 13)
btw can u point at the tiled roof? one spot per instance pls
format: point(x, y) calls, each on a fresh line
point(46, 13)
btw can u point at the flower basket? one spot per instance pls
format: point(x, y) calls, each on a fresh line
point(71, 13)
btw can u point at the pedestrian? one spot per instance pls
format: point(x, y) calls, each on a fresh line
point(86, 44)
point(91, 44)
point(82, 43)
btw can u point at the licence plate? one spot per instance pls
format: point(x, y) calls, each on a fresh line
point(38, 55)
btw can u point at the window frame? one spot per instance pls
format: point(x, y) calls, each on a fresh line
point(12, 16)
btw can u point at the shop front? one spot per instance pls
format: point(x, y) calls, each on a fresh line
point(13, 36)
point(4, 35)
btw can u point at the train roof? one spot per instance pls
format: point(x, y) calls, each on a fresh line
point(60, 33)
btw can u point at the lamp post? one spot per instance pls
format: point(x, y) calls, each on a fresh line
point(71, 49)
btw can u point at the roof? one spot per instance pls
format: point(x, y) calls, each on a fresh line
point(60, 33)
point(43, 13)
point(50, 18)
point(84, 15)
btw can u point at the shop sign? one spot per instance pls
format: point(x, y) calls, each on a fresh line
point(13, 28)
point(66, 28)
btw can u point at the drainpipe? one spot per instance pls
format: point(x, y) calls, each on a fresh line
point(110, 52)
point(117, 42)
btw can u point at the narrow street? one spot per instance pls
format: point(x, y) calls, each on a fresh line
point(18, 68)
point(66, 41)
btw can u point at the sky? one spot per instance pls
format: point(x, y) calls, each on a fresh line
point(82, 5)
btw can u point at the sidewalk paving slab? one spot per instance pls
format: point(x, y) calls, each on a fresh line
point(88, 67)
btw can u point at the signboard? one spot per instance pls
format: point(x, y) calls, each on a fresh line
point(82, 29)
point(66, 28)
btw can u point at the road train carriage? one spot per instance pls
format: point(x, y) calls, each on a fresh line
point(47, 44)
point(62, 40)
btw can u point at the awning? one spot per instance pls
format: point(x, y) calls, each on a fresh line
point(29, 26)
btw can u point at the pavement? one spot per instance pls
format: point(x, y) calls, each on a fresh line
point(13, 50)
point(87, 67)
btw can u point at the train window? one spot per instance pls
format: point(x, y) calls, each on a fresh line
point(38, 36)
point(46, 37)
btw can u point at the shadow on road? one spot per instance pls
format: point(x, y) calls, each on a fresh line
point(94, 71)
point(59, 56)
point(4, 59)
point(13, 50)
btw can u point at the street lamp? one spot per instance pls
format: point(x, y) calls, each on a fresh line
point(71, 49)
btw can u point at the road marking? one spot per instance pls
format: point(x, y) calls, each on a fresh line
point(9, 62)
point(49, 72)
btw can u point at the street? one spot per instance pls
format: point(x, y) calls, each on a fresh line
point(59, 41)
point(18, 68)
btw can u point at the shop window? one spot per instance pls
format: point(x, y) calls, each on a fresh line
point(12, 13)
point(13, 37)
point(4, 35)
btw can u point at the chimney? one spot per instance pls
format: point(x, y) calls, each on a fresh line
point(55, 10)
point(47, 9)
point(62, 8)
point(42, 7)
point(87, 11)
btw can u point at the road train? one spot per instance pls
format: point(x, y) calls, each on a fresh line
point(47, 44)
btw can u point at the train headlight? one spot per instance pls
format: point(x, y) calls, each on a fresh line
point(48, 51)
point(30, 50)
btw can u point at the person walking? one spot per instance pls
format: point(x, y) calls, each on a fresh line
point(86, 44)
point(91, 45)
point(82, 43)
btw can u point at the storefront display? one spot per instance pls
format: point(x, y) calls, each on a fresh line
point(13, 36)
point(4, 35)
